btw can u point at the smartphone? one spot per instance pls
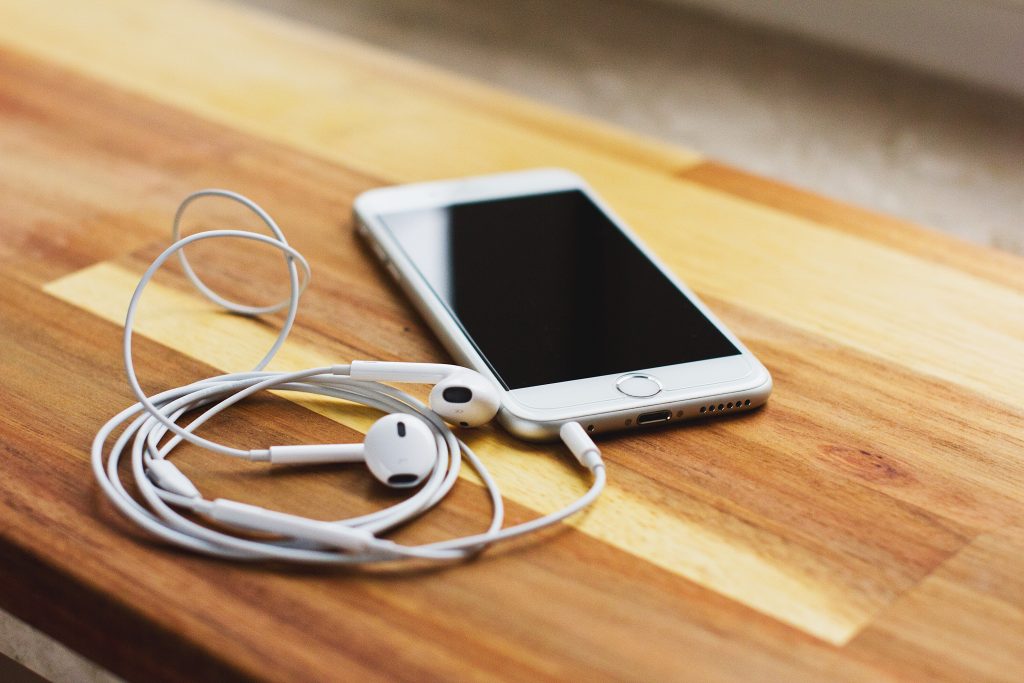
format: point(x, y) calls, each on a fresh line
point(530, 279)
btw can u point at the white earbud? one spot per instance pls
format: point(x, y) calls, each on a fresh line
point(461, 396)
point(399, 450)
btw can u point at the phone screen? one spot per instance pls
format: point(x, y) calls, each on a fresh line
point(549, 289)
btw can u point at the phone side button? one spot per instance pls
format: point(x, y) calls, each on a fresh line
point(638, 386)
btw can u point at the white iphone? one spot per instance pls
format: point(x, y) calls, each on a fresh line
point(532, 280)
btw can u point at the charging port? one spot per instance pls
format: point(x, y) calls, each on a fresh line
point(649, 418)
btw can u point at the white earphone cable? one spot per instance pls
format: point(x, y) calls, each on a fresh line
point(164, 490)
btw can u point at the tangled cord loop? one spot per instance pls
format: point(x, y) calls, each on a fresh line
point(164, 490)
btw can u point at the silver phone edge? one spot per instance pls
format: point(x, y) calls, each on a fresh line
point(741, 398)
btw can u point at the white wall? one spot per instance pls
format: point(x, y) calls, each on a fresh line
point(975, 40)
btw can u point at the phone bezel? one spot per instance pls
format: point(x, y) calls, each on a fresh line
point(536, 412)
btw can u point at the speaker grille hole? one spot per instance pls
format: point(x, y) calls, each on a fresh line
point(402, 479)
point(722, 406)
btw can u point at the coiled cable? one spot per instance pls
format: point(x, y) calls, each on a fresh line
point(165, 496)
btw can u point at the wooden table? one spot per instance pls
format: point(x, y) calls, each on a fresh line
point(867, 524)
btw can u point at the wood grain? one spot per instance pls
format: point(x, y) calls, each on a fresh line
point(864, 526)
point(980, 261)
point(743, 563)
point(907, 309)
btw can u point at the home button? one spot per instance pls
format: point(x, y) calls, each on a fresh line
point(638, 386)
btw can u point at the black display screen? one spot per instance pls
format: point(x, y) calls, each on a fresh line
point(550, 290)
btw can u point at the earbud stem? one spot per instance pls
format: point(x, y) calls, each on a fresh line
point(318, 453)
point(385, 371)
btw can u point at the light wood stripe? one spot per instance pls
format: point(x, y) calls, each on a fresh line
point(704, 544)
point(316, 91)
point(912, 312)
point(986, 263)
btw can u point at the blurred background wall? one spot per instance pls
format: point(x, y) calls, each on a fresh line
point(911, 107)
point(981, 41)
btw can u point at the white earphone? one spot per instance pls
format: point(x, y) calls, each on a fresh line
point(412, 446)
point(461, 396)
